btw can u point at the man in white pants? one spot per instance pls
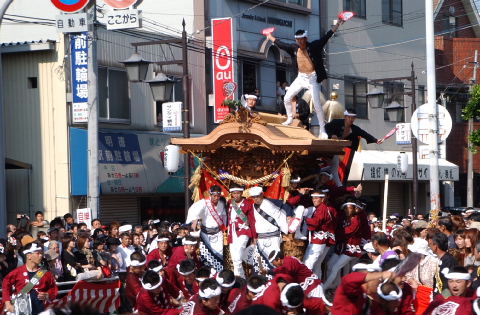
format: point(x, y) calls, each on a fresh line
point(321, 227)
point(308, 58)
point(270, 222)
point(241, 227)
point(212, 213)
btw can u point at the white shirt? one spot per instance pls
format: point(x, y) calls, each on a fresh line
point(125, 252)
point(199, 211)
point(263, 226)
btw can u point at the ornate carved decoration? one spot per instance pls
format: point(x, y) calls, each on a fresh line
point(244, 117)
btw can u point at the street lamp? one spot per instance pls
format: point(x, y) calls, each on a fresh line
point(375, 98)
point(137, 67)
point(162, 87)
point(394, 111)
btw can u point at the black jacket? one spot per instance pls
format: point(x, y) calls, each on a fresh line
point(336, 127)
point(315, 52)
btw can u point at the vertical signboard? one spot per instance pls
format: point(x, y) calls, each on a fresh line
point(223, 70)
point(79, 61)
point(172, 116)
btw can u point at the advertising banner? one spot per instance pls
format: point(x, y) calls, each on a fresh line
point(223, 70)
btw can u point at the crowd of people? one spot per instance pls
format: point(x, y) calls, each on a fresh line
point(349, 265)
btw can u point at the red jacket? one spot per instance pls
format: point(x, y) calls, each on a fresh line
point(195, 307)
point(357, 231)
point(14, 282)
point(322, 225)
point(240, 302)
point(227, 299)
point(238, 226)
point(178, 281)
point(297, 199)
point(406, 306)
point(349, 298)
point(300, 273)
point(178, 255)
point(155, 255)
point(271, 295)
point(151, 304)
point(133, 286)
point(314, 306)
point(453, 305)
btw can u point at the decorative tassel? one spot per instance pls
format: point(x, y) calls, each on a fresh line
point(195, 182)
point(286, 176)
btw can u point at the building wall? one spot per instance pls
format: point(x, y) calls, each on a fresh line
point(350, 53)
point(36, 131)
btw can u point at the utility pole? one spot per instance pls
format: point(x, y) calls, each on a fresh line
point(3, 179)
point(470, 129)
point(414, 149)
point(186, 116)
point(93, 188)
point(432, 102)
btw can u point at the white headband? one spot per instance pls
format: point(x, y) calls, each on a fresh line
point(247, 96)
point(33, 249)
point(456, 275)
point(283, 296)
point(158, 268)
point(347, 113)
point(148, 286)
point(317, 195)
point(184, 273)
point(137, 263)
point(348, 204)
point(392, 296)
point(304, 34)
point(295, 180)
point(222, 283)
point(236, 189)
point(367, 267)
point(187, 242)
point(360, 206)
point(209, 293)
point(162, 239)
point(257, 290)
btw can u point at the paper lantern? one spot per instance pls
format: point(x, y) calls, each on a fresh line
point(403, 162)
point(172, 158)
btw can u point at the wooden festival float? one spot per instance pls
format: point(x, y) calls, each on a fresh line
point(252, 148)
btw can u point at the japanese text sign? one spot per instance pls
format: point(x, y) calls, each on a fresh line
point(404, 133)
point(85, 216)
point(79, 60)
point(119, 148)
point(72, 23)
point(223, 70)
point(172, 116)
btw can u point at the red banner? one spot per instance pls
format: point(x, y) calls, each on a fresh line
point(222, 59)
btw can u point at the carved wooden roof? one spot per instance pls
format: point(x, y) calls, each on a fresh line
point(256, 132)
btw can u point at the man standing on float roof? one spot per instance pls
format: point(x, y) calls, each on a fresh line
point(308, 58)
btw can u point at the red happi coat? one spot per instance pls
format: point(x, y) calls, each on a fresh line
point(155, 255)
point(300, 273)
point(357, 231)
point(178, 281)
point(297, 199)
point(349, 297)
point(240, 302)
point(405, 307)
point(18, 278)
point(133, 286)
point(322, 225)
point(195, 307)
point(453, 305)
point(271, 295)
point(158, 304)
point(178, 255)
point(237, 225)
point(227, 299)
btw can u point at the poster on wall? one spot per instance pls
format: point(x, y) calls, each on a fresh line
point(224, 85)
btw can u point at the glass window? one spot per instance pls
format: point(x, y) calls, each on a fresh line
point(392, 12)
point(394, 92)
point(356, 95)
point(356, 6)
point(302, 3)
point(249, 76)
point(114, 99)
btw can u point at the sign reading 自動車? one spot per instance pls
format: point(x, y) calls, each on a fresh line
point(79, 62)
point(223, 70)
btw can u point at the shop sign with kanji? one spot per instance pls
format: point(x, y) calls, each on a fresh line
point(79, 61)
point(72, 23)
